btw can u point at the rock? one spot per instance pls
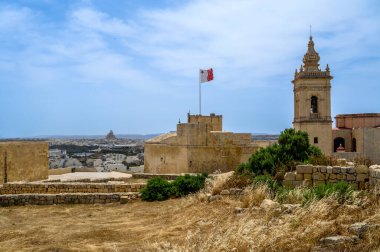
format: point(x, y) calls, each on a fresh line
point(289, 176)
point(225, 192)
point(304, 169)
point(361, 228)
point(124, 200)
point(236, 191)
point(351, 169)
point(362, 169)
point(336, 169)
point(290, 208)
point(336, 240)
point(268, 204)
point(212, 198)
point(362, 177)
point(239, 210)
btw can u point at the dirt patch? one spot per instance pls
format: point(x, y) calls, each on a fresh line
point(187, 224)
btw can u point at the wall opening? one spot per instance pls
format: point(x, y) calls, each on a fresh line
point(354, 145)
point(315, 140)
point(337, 142)
point(314, 105)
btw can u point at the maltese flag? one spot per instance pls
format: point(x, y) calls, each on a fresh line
point(206, 75)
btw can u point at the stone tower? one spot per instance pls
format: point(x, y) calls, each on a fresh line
point(312, 107)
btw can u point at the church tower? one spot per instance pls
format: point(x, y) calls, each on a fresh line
point(312, 107)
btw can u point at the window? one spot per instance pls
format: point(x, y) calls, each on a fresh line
point(339, 141)
point(314, 104)
point(315, 140)
point(354, 145)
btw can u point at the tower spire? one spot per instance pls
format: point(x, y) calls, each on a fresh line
point(310, 32)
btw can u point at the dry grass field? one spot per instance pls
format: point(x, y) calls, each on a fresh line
point(187, 224)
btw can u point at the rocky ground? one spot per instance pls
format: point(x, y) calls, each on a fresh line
point(248, 221)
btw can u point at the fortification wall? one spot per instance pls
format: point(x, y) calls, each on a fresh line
point(360, 177)
point(23, 161)
point(54, 199)
point(55, 188)
point(224, 158)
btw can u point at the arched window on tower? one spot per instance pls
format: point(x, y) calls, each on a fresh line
point(314, 105)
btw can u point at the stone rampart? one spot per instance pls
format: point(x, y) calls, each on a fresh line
point(360, 177)
point(55, 188)
point(74, 198)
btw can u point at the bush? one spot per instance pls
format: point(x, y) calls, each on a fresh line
point(293, 147)
point(184, 185)
point(157, 189)
point(342, 191)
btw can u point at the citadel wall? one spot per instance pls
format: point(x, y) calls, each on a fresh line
point(23, 161)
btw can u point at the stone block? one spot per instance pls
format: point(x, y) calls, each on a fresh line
point(299, 176)
point(341, 176)
point(362, 177)
point(362, 169)
point(332, 176)
point(318, 176)
point(304, 169)
point(344, 170)
point(307, 176)
point(323, 169)
point(290, 176)
point(351, 177)
point(336, 169)
point(351, 169)
point(329, 169)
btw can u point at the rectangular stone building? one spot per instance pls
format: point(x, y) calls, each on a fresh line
point(23, 161)
point(199, 145)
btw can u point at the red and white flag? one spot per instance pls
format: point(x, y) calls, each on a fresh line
point(206, 75)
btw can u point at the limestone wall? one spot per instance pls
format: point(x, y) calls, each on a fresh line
point(161, 159)
point(55, 188)
point(53, 199)
point(360, 177)
point(23, 161)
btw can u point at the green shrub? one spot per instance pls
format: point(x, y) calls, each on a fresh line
point(293, 147)
point(342, 191)
point(157, 189)
point(184, 185)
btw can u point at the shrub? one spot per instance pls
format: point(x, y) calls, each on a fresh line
point(184, 185)
point(157, 189)
point(293, 147)
point(342, 191)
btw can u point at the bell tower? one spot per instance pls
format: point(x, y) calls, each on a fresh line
point(312, 106)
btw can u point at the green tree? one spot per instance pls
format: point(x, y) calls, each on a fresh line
point(293, 146)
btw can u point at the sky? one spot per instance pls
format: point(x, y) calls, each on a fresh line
point(85, 67)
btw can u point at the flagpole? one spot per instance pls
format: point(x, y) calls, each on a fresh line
point(200, 94)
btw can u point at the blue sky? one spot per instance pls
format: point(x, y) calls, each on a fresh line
point(85, 67)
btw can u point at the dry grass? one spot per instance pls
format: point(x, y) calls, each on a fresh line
point(187, 224)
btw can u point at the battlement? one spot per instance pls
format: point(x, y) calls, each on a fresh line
point(214, 122)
